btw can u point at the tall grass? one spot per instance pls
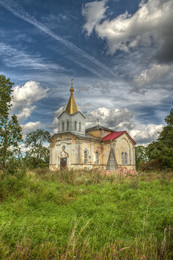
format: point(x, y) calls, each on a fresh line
point(85, 215)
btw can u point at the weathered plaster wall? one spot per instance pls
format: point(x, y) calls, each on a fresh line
point(75, 147)
point(124, 144)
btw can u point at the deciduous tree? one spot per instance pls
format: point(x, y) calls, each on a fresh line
point(162, 149)
point(5, 97)
point(141, 156)
point(36, 142)
point(10, 130)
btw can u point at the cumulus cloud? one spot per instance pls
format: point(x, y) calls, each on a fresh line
point(144, 134)
point(93, 12)
point(31, 126)
point(25, 113)
point(115, 118)
point(151, 23)
point(24, 98)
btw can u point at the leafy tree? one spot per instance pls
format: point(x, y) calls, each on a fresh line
point(38, 153)
point(5, 97)
point(10, 137)
point(166, 136)
point(10, 130)
point(153, 150)
point(141, 156)
point(161, 151)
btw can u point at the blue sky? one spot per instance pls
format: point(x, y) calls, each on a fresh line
point(118, 52)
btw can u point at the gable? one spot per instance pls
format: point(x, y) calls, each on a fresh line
point(115, 135)
point(99, 131)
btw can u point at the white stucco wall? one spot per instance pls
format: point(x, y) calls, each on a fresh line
point(77, 117)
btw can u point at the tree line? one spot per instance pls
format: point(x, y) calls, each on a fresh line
point(11, 139)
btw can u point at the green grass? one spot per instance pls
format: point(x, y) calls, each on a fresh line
point(86, 215)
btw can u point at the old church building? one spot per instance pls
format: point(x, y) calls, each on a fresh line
point(76, 147)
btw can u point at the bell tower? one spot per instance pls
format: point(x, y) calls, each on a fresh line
point(71, 120)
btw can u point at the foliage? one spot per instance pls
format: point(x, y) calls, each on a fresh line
point(5, 97)
point(55, 216)
point(162, 150)
point(10, 130)
point(159, 154)
point(10, 137)
point(38, 153)
point(141, 156)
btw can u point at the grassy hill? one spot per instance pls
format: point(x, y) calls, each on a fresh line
point(86, 215)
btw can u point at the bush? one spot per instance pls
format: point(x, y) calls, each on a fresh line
point(153, 165)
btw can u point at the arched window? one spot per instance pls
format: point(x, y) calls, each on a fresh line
point(97, 158)
point(85, 157)
point(67, 125)
point(122, 158)
point(75, 125)
point(62, 126)
point(125, 158)
point(79, 126)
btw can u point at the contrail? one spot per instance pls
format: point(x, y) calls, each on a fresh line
point(17, 10)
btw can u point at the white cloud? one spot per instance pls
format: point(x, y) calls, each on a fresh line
point(127, 31)
point(114, 118)
point(144, 134)
point(24, 98)
point(25, 113)
point(31, 126)
point(93, 12)
point(150, 75)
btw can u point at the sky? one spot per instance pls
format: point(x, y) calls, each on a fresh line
point(118, 52)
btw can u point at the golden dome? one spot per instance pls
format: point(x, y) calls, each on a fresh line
point(71, 107)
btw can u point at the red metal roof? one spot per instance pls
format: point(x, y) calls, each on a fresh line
point(114, 135)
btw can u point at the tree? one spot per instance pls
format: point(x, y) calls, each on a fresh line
point(161, 151)
point(10, 136)
point(141, 156)
point(38, 153)
point(5, 97)
point(10, 130)
point(166, 136)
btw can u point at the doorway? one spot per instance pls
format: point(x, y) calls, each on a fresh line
point(63, 163)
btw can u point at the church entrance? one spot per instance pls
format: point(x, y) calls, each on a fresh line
point(63, 163)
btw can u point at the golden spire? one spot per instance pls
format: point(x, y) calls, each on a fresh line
point(71, 107)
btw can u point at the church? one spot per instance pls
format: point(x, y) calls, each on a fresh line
point(75, 147)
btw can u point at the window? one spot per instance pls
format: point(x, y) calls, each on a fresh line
point(62, 126)
point(79, 126)
point(67, 125)
point(125, 159)
point(85, 157)
point(97, 158)
point(75, 125)
point(122, 158)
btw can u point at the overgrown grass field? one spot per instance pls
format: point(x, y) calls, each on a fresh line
point(86, 215)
